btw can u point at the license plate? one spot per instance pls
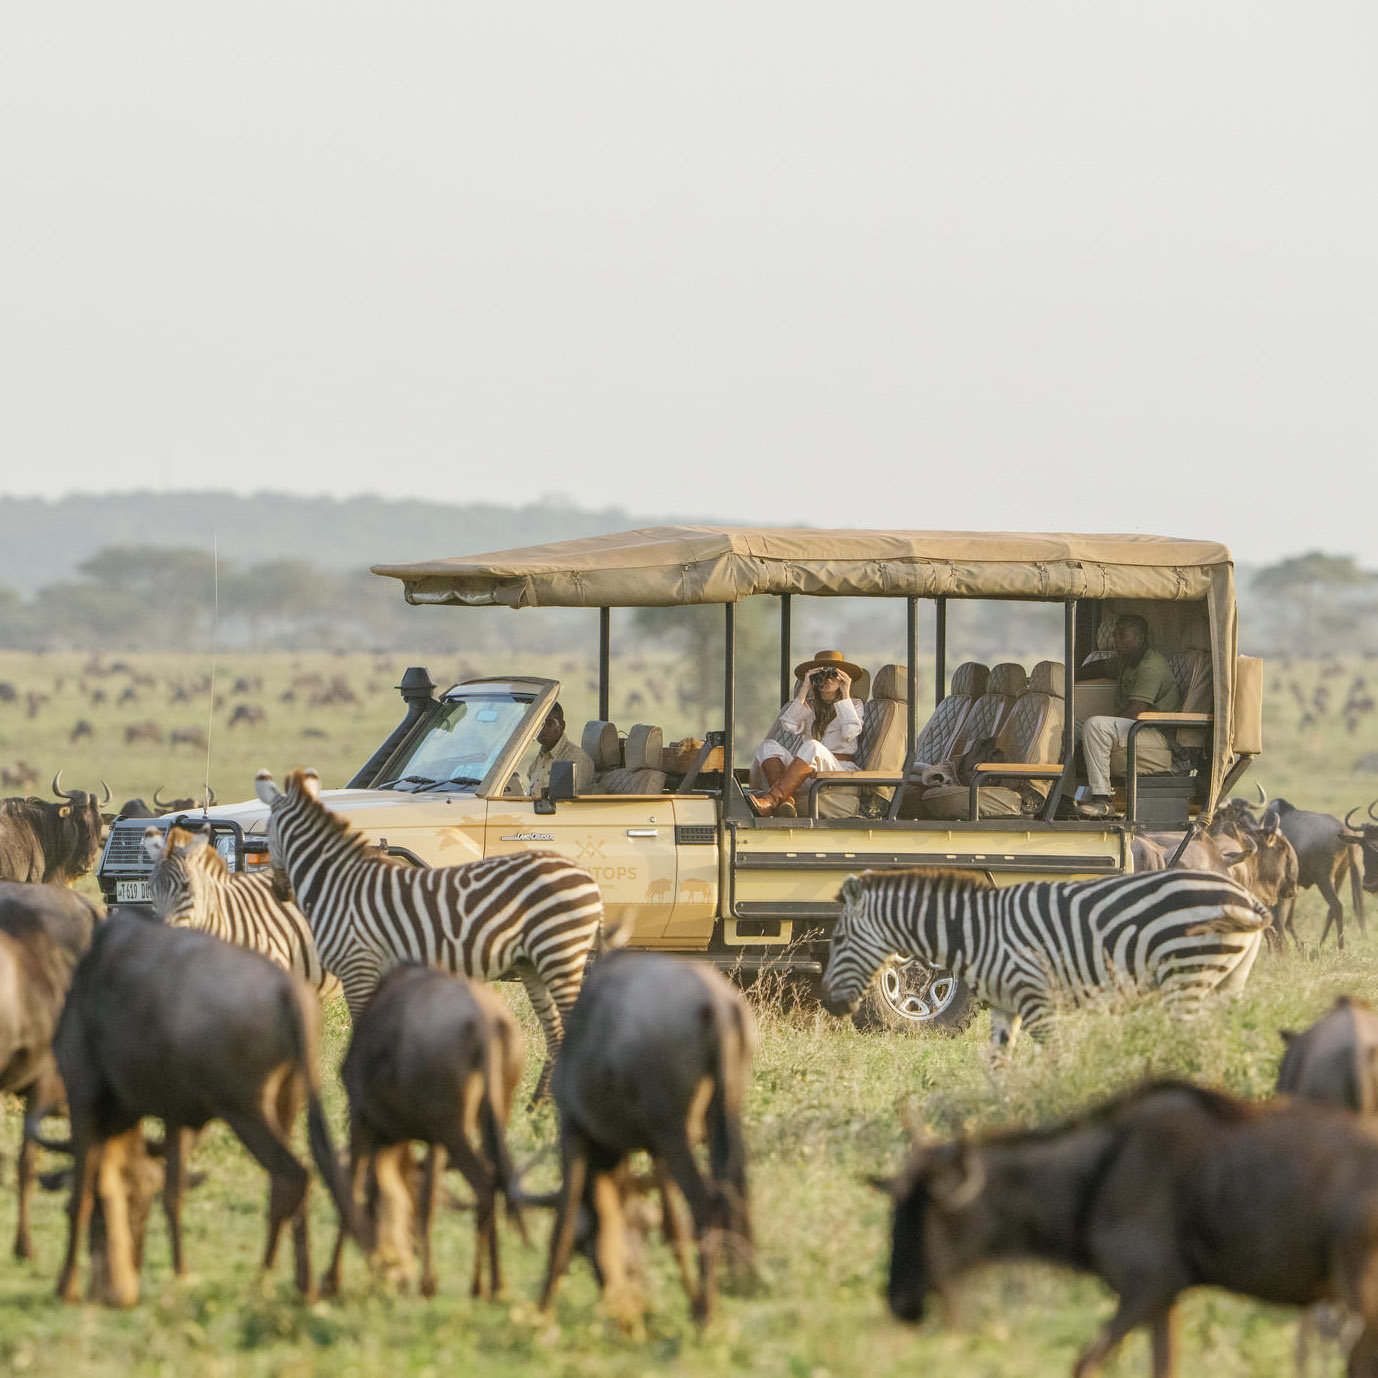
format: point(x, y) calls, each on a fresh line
point(132, 892)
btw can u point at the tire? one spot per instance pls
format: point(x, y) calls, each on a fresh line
point(911, 994)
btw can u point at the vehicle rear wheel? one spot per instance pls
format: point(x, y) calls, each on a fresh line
point(913, 994)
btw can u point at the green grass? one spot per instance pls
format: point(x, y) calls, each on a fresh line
point(828, 1105)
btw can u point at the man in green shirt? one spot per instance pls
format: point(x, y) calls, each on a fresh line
point(555, 746)
point(1146, 685)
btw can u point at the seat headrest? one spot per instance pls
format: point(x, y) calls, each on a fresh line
point(970, 678)
point(1008, 679)
point(644, 748)
point(861, 686)
point(1049, 677)
point(891, 682)
point(600, 741)
point(1196, 634)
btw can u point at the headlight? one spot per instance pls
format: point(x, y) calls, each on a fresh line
point(224, 844)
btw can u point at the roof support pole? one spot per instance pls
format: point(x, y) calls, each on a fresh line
point(940, 669)
point(729, 691)
point(786, 676)
point(1069, 734)
point(911, 610)
point(604, 660)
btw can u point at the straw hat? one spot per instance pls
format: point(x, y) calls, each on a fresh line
point(828, 660)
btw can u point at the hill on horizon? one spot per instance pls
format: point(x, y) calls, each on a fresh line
point(43, 540)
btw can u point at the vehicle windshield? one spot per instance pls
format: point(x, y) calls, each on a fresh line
point(465, 738)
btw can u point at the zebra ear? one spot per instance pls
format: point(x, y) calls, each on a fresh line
point(311, 783)
point(191, 843)
point(153, 841)
point(851, 890)
point(266, 787)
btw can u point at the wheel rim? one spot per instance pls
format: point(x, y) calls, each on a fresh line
point(917, 990)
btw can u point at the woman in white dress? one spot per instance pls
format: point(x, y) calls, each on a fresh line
point(828, 718)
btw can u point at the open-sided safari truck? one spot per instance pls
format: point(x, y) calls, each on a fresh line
point(677, 849)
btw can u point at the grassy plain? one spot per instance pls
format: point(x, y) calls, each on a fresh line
point(826, 1107)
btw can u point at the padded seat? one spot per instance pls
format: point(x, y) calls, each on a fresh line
point(1007, 681)
point(1030, 736)
point(641, 771)
point(791, 741)
point(880, 748)
point(601, 743)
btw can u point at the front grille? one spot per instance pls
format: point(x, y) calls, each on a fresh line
point(695, 834)
point(124, 849)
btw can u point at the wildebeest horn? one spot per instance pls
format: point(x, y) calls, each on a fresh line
point(1349, 818)
point(1234, 858)
point(1262, 793)
point(1371, 807)
point(57, 786)
point(159, 803)
point(210, 797)
point(971, 1184)
point(108, 795)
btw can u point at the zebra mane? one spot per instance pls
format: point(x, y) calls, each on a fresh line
point(358, 844)
point(175, 849)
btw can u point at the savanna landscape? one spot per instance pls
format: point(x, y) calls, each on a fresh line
point(828, 1105)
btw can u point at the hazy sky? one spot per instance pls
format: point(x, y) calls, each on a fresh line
point(1090, 266)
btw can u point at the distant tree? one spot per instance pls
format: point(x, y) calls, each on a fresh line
point(280, 594)
point(179, 585)
point(18, 622)
point(1319, 597)
point(87, 616)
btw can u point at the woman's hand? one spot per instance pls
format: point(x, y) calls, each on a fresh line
point(846, 681)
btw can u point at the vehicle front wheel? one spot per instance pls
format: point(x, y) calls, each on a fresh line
point(913, 994)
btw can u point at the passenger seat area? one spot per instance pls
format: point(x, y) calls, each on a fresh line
point(880, 748)
point(641, 771)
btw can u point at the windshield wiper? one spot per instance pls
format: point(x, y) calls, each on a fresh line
point(407, 780)
point(453, 780)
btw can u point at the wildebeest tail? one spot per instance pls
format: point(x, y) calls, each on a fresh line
point(733, 1038)
point(303, 1019)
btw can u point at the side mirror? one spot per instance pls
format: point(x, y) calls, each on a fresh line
point(561, 781)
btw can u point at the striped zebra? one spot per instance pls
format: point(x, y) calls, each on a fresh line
point(1027, 949)
point(533, 913)
point(192, 887)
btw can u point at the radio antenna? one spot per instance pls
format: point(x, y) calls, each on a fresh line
point(215, 646)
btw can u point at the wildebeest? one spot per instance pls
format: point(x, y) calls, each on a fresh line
point(175, 1024)
point(43, 932)
point(18, 776)
point(147, 732)
point(141, 808)
point(657, 1055)
point(194, 737)
point(1335, 1061)
point(81, 731)
point(52, 843)
point(1367, 834)
point(436, 1059)
point(1325, 856)
point(250, 714)
point(1170, 1187)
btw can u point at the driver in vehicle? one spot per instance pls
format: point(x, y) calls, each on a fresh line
point(555, 746)
point(829, 719)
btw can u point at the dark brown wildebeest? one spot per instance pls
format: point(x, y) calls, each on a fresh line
point(52, 843)
point(435, 1059)
point(1325, 856)
point(1170, 1187)
point(194, 737)
point(43, 932)
point(81, 731)
point(173, 1023)
point(1335, 1061)
point(21, 775)
point(148, 733)
point(250, 714)
point(1367, 833)
point(656, 1056)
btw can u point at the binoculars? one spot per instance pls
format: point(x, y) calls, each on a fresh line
point(819, 676)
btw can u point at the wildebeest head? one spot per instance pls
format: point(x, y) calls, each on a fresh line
point(1368, 845)
point(79, 826)
point(938, 1226)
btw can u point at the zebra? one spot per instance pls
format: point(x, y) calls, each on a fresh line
point(191, 887)
point(1028, 948)
point(533, 913)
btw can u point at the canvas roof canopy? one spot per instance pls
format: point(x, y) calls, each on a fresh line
point(667, 566)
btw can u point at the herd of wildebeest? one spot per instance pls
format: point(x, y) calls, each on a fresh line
point(119, 1018)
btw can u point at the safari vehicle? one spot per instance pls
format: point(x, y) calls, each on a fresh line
point(674, 843)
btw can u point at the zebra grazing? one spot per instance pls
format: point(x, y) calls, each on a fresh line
point(191, 887)
point(533, 913)
point(1028, 948)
